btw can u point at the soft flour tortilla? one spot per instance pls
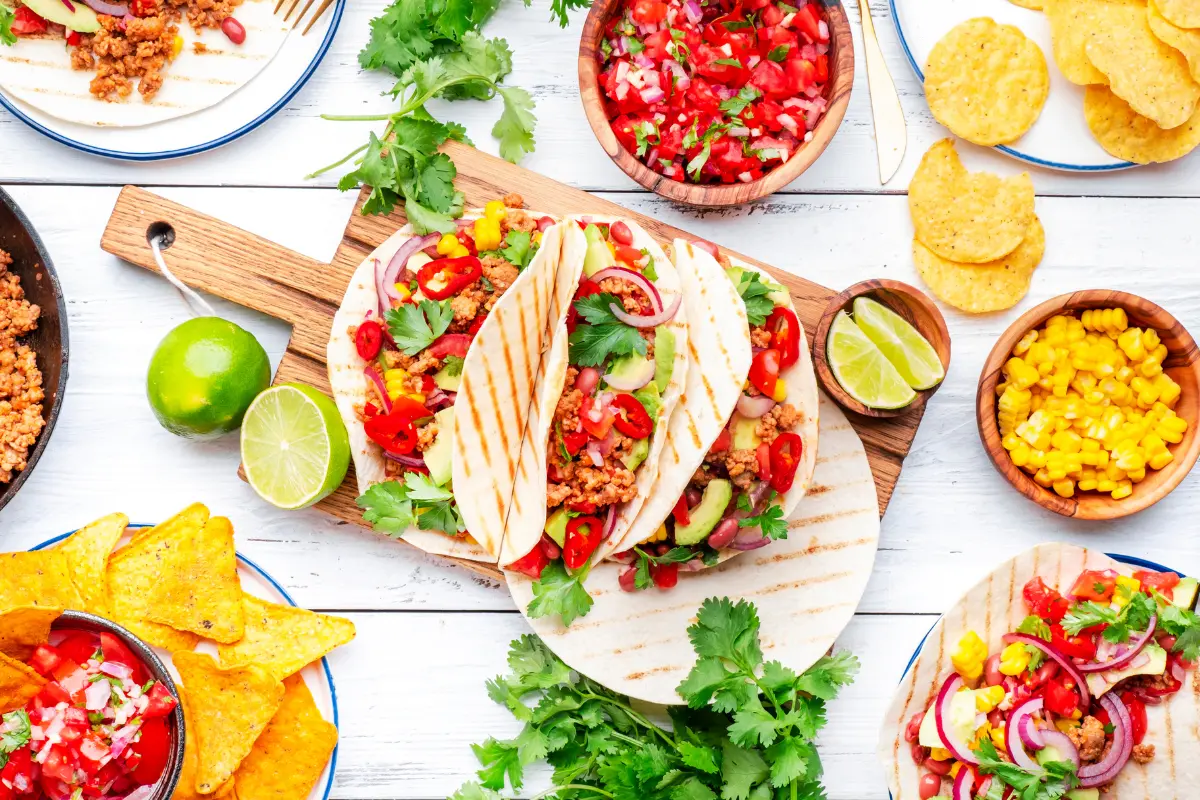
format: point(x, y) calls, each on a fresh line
point(995, 607)
point(38, 72)
point(350, 391)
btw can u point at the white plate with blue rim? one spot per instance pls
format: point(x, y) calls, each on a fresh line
point(237, 115)
point(1060, 139)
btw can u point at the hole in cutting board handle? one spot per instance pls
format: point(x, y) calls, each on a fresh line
point(164, 232)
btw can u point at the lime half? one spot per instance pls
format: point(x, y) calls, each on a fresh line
point(910, 353)
point(294, 446)
point(862, 369)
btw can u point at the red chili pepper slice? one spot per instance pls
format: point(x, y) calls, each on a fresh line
point(583, 537)
point(785, 335)
point(368, 340)
point(635, 422)
point(785, 458)
point(574, 442)
point(446, 276)
point(680, 512)
point(583, 508)
point(532, 564)
point(586, 289)
point(370, 410)
point(450, 344)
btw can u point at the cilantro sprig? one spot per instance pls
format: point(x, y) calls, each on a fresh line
point(771, 521)
point(7, 15)
point(559, 592)
point(748, 730)
point(676, 555)
point(393, 507)
point(518, 249)
point(604, 335)
point(1034, 625)
point(415, 326)
point(755, 294)
point(1053, 780)
point(14, 739)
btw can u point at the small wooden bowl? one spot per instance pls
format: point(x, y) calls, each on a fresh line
point(907, 301)
point(841, 74)
point(1182, 364)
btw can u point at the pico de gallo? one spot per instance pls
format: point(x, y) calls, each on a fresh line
point(1064, 699)
point(434, 295)
point(621, 361)
point(732, 500)
point(99, 728)
point(715, 91)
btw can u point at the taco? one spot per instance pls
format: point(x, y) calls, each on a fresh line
point(127, 63)
point(1064, 673)
point(742, 447)
point(411, 314)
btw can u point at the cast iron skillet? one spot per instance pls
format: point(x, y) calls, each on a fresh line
point(32, 263)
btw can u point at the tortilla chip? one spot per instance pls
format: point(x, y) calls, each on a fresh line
point(1072, 23)
point(194, 516)
point(1151, 76)
point(1128, 135)
point(184, 578)
point(283, 639)
point(968, 217)
point(1032, 5)
point(18, 684)
point(1185, 40)
point(987, 82)
point(23, 629)
point(290, 756)
point(37, 578)
point(228, 710)
point(1183, 13)
point(87, 551)
point(979, 288)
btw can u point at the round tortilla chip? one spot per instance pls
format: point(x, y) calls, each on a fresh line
point(1185, 40)
point(980, 288)
point(968, 217)
point(987, 82)
point(1153, 77)
point(1182, 13)
point(1128, 135)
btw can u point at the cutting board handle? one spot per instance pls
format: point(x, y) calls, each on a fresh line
point(226, 261)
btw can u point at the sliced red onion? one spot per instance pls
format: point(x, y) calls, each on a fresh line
point(754, 407)
point(1062, 743)
point(707, 247)
point(693, 12)
point(610, 522)
point(648, 321)
point(695, 565)
point(1031, 737)
point(96, 695)
point(587, 379)
point(682, 79)
point(437, 400)
point(642, 375)
point(375, 378)
point(385, 279)
point(593, 451)
point(637, 279)
point(620, 46)
point(70, 6)
point(1120, 661)
point(1092, 775)
point(941, 711)
point(118, 671)
point(1070, 667)
point(1177, 670)
point(1016, 733)
point(963, 784)
point(755, 541)
point(408, 461)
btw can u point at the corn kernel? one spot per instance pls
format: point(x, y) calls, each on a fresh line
point(1123, 490)
point(447, 244)
point(1160, 459)
point(176, 47)
point(940, 754)
point(1022, 347)
point(1064, 487)
point(496, 210)
point(988, 698)
point(969, 656)
point(1014, 659)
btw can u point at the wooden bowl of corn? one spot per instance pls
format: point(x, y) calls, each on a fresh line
point(1088, 404)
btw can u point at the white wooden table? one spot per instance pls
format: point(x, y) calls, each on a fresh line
point(412, 686)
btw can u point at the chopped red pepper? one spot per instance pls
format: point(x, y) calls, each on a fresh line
point(764, 372)
point(532, 564)
point(1082, 646)
point(680, 512)
point(368, 340)
point(395, 433)
point(583, 537)
point(445, 277)
point(786, 451)
point(785, 335)
point(631, 418)
point(1137, 715)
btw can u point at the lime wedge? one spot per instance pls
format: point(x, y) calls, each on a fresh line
point(910, 353)
point(294, 446)
point(862, 369)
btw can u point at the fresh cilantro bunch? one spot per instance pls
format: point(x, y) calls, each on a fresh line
point(746, 734)
point(7, 15)
point(415, 326)
point(1051, 782)
point(393, 507)
point(1134, 617)
point(15, 739)
point(604, 336)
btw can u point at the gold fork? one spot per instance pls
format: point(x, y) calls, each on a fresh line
point(325, 4)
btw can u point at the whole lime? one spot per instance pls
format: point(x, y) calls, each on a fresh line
point(203, 377)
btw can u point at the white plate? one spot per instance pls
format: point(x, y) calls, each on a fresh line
point(317, 675)
point(1060, 139)
point(245, 110)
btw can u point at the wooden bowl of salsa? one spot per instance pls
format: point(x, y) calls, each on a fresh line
point(715, 105)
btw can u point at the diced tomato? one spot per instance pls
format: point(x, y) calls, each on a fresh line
point(1095, 585)
point(665, 576)
point(115, 650)
point(770, 79)
point(771, 15)
point(27, 23)
point(574, 441)
point(1044, 601)
point(79, 646)
point(92, 751)
point(153, 748)
point(801, 74)
point(532, 564)
point(45, 660)
point(822, 65)
point(159, 701)
point(656, 44)
point(52, 694)
point(59, 764)
point(724, 439)
point(18, 772)
point(711, 62)
point(450, 344)
point(671, 144)
point(1137, 715)
point(808, 21)
point(646, 12)
point(582, 538)
point(583, 508)
point(680, 512)
point(629, 255)
point(701, 95)
point(1059, 698)
point(1162, 582)
point(473, 330)
point(763, 455)
point(75, 724)
point(1082, 646)
point(597, 428)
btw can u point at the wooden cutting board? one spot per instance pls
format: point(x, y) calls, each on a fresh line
point(226, 261)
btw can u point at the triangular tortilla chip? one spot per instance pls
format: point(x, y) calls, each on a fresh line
point(18, 684)
point(87, 551)
point(283, 639)
point(184, 577)
point(229, 709)
point(289, 757)
point(37, 578)
point(23, 629)
point(193, 517)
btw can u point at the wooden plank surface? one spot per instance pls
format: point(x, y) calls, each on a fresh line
point(241, 267)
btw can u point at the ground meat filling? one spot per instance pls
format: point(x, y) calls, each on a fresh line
point(576, 480)
point(1089, 739)
point(21, 392)
point(741, 466)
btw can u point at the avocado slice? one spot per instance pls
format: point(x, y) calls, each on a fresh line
point(641, 449)
point(556, 526)
point(79, 18)
point(962, 720)
point(634, 368)
point(1184, 595)
point(438, 457)
point(745, 433)
point(1100, 682)
point(664, 355)
point(705, 516)
point(593, 233)
point(736, 274)
point(447, 382)
point(597, 257)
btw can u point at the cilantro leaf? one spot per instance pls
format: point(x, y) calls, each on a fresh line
point(592, 345)
point(727, 62)
point(559, 9)
point(727, 630)
point(779, 53)
point(737, 104)
point(394, 506)
point(415, 326)
point(473, 791)
point(1184, 625)
point(741, 771)
point(755, 295)
point(699, 757)
point(515, 127)
point(560, 594)
point(789, 761)
point(17, 737)
point(519, 249)
point(387, 507)
point(595, 308)
point(1050, 782)
point(453, 366)
point(770, 521)
point(7, 15)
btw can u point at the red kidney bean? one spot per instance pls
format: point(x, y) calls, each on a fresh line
point(1045, 672)
point(938, 767)
point(913, 729)
point(628, 579)
point(235, 30)
point(930, 786)
point(620, 233)
point(693, 497)
point(1167, 642)
point(723, 534)
point(919, 753)
point(550, 548)
point(992, 675)
point(544, 224)
point(995, 717)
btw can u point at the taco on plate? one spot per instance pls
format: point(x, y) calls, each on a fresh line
point(411, 315)
point(742, 447)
